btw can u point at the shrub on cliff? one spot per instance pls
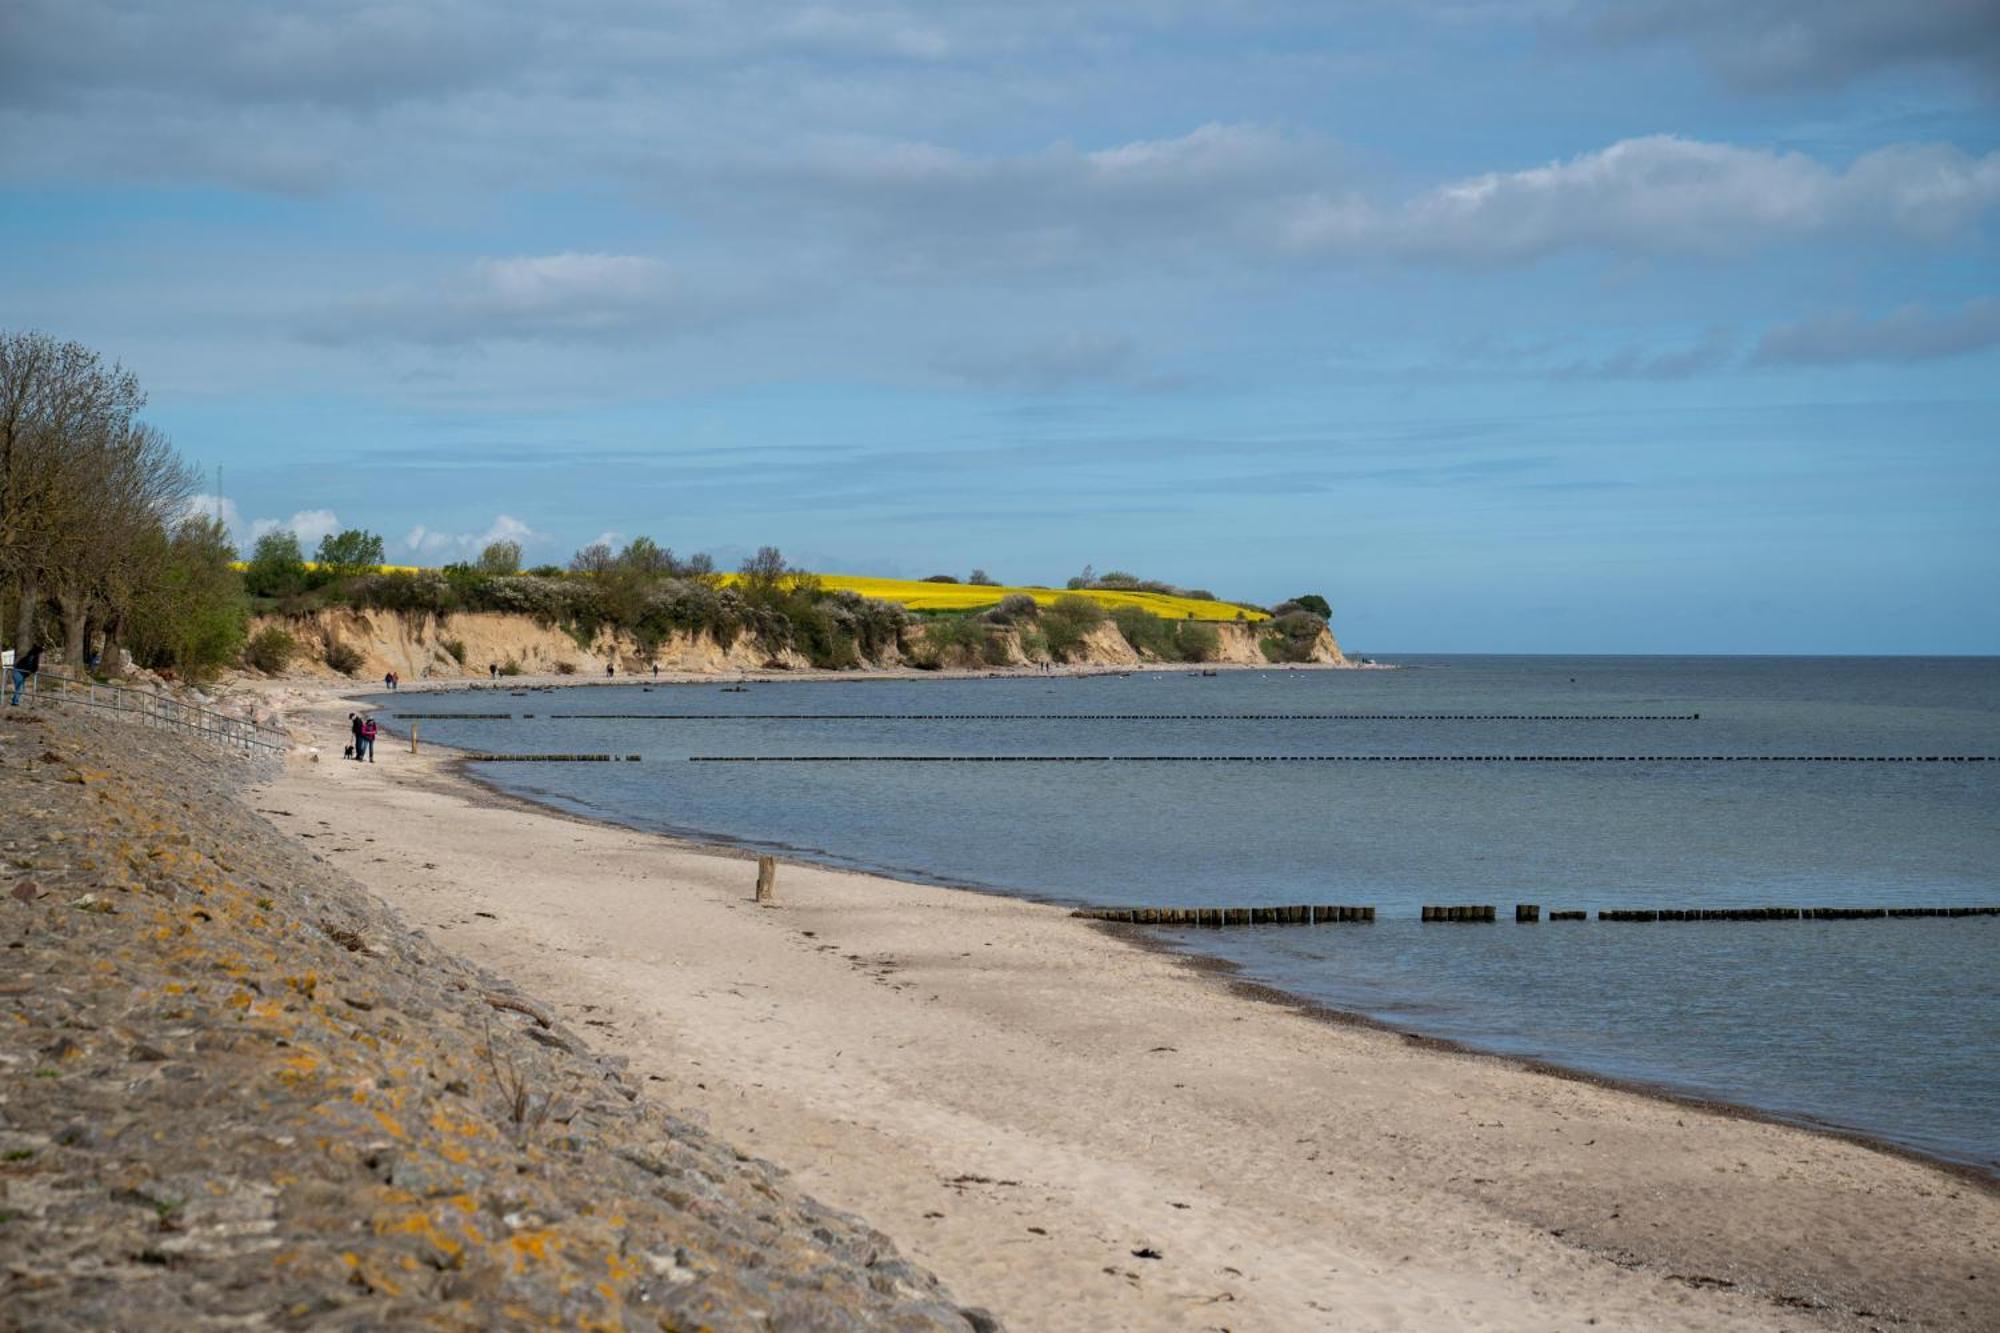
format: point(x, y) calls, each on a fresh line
point(1067, 622)
point(342, 656)
point(1291, 637)
point(426, 592)
point(956, 640)
point(270, 650)
point(1199, 642)
point(1013, 609)
point(1166, 640)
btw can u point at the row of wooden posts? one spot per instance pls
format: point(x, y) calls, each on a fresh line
point(1301, 914)
point(1311, 914)
point(1524, 914)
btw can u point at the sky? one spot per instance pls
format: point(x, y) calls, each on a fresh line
point(1506, 325)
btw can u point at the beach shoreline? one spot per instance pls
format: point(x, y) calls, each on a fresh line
point(1230, 974)
point(1982, 1174)
point(1729, 1255)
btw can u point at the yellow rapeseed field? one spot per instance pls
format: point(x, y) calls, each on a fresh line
point(921, 596)
point(918, 595)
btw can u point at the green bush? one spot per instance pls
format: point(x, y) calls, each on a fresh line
point(1290, 637)
point(958, 640)
point(510, 668)
point(454, 648)
point(270, 650)
point(342, 656)
point(1067, 622)
point(277, 566)
point(1199, 642)
point(1166, 640)
point(426, 592)
point(1012, 609)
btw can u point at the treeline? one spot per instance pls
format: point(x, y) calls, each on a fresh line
point(99, 553)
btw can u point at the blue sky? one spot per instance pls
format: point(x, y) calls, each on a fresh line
point(1510, 325)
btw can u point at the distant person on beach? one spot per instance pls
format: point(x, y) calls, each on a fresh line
point(368, 738)
point(610, 668)
point(25, 666)
point(656, 671)
point(354, 726)
point(493, 671)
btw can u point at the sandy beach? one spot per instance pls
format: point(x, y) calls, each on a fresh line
point(1083, 1134)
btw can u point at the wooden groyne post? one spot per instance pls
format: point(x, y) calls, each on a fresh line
point(1298, 914)
point(413, 738)
point(1468, 912)
point(1526, 914)
point(767, 878)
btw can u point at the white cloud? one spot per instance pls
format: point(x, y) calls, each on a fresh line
point(529, 298)
point(213, 506)
point(422, 541)
point(1911, 333)
point(308, 525)
point(1663, 195)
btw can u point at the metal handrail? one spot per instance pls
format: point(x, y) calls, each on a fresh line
point(46, 688)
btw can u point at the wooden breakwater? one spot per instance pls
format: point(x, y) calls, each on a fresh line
point(1343, 759)
point(1466, 913)
point(1299, 914)
point(1304, 914)
point(553, 758)
point(1788, 913)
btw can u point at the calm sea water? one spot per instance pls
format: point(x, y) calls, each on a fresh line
point(1889, 1027)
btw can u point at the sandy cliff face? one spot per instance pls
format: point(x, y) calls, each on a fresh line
point(420, 647)
point(415, 647)
point(1237, 645)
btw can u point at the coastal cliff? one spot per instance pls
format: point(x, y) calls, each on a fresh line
point(464, 645)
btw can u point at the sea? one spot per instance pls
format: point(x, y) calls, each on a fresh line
point(1888, 1028)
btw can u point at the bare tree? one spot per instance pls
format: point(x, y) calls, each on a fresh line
point(63, 414)
point(764, 573)
point(595, 558)
point(130, 482)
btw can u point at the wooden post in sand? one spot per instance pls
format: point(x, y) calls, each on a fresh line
point(413, 738)
point(767, 878)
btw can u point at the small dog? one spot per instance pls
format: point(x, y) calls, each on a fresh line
point(347, 752)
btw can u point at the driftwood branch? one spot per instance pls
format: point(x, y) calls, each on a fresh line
point(520, 1007)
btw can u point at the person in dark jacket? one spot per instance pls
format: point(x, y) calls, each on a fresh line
point(25, 666)
point(354, 725)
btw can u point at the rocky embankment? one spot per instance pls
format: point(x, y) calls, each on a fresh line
point(235, 1091)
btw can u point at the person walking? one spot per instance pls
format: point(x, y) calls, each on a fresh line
point(368, 738)
point(492, 671)
point(25, 666)
point(354, 726)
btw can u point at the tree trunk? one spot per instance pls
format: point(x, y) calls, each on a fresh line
point(114, 660)
point(75, 614)
point(24, 620)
